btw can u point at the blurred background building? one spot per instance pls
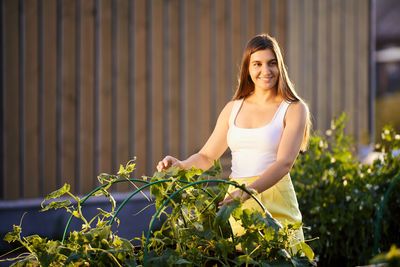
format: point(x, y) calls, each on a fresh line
point(387, 64)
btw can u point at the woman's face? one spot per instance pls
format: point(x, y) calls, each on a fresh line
point(263, 69)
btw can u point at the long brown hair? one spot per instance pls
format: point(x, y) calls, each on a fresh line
point(285, 87)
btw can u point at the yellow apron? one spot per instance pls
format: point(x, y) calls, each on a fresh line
point(280, 200)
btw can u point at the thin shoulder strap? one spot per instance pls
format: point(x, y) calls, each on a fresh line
point(235, 109)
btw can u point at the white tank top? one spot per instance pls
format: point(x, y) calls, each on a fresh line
point(254, 149)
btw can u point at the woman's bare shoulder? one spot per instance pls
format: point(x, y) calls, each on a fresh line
point(230, 104)
point(226, 112)
point(297, 110)
point(228, 108)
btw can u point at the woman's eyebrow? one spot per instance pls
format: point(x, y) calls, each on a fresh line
point(257, 60)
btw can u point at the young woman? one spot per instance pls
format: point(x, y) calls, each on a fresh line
point(265, 125)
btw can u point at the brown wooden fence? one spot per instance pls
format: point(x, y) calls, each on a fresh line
point(89, 84)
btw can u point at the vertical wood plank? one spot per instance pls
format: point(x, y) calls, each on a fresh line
point(157, 51)
point(335, 51)
point(363, 71)
point(49, 94)
point(236, 42)
point(140, 87)
point(166, 80)
point(31, 104)
point(307, 54)
point(265, 16)
point(131, 79)
point(204, 69)
point(115, 90)
point(321, 111)
point(349, 73)
point(251, 19)
point(123, 88)
point(281, 24)
point(315, 49)
point(22, 98)
point(293, 53)
point(149, 85)
point(68, 93)
point(174, 52)
point(11, 100)
point(78, 96)
point(96, 86)
point(228, 51)
point(213, 63)
point(191, 110)
point(2, 104)
point(87, 98)
point(105, 88)
point(221, 67)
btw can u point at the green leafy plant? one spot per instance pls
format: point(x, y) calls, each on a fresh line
point(390, 258)
point(194, 233)
point(95, 244)
point(197, 233)
point(340, 197)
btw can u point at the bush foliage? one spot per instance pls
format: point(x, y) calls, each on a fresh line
point(339, 197)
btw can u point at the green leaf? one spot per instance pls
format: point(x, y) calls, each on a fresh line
point(105, 213)
point(58, 193)
point(183, 261)
point(113, 202)
point(173, 171)
point(269, 234)
point(106, 178)
point(246, 219)
point(190, 173)
point(121, 170)
point(57, 205)
point(130, 167)
point(13, 236)
point(246, 259)
point(217, 165)
point(307, 250)
point(225, 211)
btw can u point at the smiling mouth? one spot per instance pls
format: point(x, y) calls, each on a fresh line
point(267, 79)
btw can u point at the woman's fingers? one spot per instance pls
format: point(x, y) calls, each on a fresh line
point(160, 166)
point(167, 162)
point(225, 201)
point(238, 194)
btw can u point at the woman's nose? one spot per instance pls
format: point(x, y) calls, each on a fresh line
point(265, 69)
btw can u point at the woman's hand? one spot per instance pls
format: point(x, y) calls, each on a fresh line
point(237, 194)
point(167, 162)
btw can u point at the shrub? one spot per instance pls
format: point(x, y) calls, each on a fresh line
point(389, 259)
point(339, 197)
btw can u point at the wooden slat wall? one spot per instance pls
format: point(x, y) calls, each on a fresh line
point(326, 67)
point(89, 84)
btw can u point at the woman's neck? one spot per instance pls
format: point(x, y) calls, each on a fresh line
point(264, 96)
